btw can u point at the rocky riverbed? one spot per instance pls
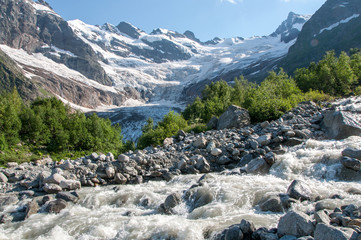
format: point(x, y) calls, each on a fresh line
point(284, 179)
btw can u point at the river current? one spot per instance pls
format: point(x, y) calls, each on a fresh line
point(130, 211)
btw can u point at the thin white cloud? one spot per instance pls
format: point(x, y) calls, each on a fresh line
point(285, 0)
point(232, 1)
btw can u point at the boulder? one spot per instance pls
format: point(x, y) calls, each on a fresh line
point(200, 197)
point(343, 121)
point(55, 179)
point(233, 117)
point(224, 160)
point(322, 217)
point(299, 190)
point(55, 206)
point(351, 163)
point(172, 200)
point(110, 172)
point(3, 178)
point(295, 223)
point(200, 142)
point(216, 152)
point(52, 188)
point(168, 141)
point(70, 184)
point(326, 232)
point(352, 153)
point(31, 208)
point(271, 203)
point(258, 166)
point(247, 227)
point(68, 196)
point(264, 139)
point(201, 163)
point(120, 179)
point(123, 158)
point(212, 124)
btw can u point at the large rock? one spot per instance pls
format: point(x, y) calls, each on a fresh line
point(55, 206)
point(54, 179)
point(70, 184)
point(52, 188)
point(172, 200)
point(351, 163)
point(200, 197)
point(271, 203)
point(68, 196)
point(299, 190)
point(327, 232)
point(295, 223)
point(201, 163)
point(200, 142)
point(352, 153)
point(258, 166)
point(343, 121)
point(3, 178)
point(234, 117)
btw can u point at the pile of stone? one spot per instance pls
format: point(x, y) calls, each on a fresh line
point(343, 223)
point(251, 148)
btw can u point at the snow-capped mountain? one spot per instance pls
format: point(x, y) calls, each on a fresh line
point(107, 67)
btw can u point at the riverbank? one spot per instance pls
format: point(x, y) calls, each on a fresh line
point(249, 174)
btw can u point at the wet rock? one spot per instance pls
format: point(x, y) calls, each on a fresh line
point(31, 208)
point(293, 142)
point(299, 190)
point(172, 200)
point(55, 206)
point(295, 223)
point(247, 227)
point(201, 197)
point(52, 188)
point(233, 232)
point(258, 166)
point(3, 178)
point(271, 203)
point(233, 117)
point(70, 184)
point(270, 158)
point(326, 232)
point(352, 153)
point(68, 196)
point(351, 163)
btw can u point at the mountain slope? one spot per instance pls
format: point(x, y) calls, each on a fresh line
point(335, 26)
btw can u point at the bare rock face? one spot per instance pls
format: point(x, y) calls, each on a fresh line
point(297, 224)
point(344, 120)
point(234, 117)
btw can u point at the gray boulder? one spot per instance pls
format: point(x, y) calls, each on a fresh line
point(120, 179)
point(295, 223)
point(68, 196)
point(299, 190)
point(200, 197)
point(31, 208)
point(200, 142)
point(322, 217)
point(55, 206)
point(201, 164)
point(352, 153)
point(3, 178)
point(70, 184)
point(233, 117)
point(212, 124)
point(258, 166)
point(343, 121)
point(55, 179)
point(52, 188)
point(327, 232)
point(172, 200)
point(271, 203)
point(351, 163)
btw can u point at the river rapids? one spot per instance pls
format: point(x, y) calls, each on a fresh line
point(131, 211)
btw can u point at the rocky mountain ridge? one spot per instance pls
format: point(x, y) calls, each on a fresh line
point(135, 65)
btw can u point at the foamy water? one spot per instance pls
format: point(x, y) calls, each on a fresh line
point(130, 212)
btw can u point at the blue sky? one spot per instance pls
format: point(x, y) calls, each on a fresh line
point(206, 18)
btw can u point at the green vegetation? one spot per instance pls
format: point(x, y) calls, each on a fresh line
point(169, 126)
point(48, 126)
point(337, 76)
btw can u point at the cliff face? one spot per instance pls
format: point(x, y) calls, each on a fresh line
point(335, 26)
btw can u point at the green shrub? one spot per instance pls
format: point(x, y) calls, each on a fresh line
point(169, 126)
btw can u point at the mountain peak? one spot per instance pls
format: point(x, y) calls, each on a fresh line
point(291, 27)
point(129, 29)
